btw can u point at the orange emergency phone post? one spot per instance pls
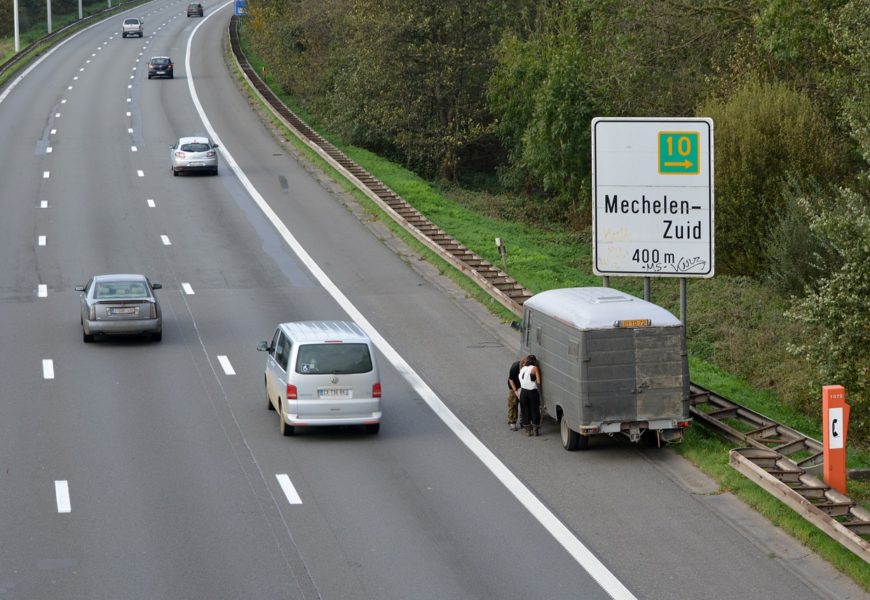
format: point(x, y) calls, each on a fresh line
point(835, 418)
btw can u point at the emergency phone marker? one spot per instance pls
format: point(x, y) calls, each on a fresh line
point(835, 417)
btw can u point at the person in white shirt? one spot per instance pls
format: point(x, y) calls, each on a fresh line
point(530, 396)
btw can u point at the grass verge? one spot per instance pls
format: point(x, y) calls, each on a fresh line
point(546, 258)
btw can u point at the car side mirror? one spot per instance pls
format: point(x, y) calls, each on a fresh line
point(156, 286)
point(80, 288)
point(263, 347)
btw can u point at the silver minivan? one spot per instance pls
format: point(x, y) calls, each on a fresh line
point(322, 373)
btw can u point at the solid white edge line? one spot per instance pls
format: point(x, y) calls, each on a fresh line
point(287, 486)
point(42, 291)
point(47, 368)
point(61, 493)
point(226, 365)
point(584, 557)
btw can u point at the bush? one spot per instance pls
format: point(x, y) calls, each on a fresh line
point(839, 310)
point(764, 131)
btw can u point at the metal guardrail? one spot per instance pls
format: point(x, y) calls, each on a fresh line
point(779, 458)
point(24, 54)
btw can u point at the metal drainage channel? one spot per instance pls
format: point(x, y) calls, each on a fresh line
point(771, 444)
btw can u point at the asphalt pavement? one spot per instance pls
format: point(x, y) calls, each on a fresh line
point(133, 469)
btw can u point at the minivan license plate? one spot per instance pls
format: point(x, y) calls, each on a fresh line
point(333, 392)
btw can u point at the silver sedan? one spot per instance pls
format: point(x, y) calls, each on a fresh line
point(193, 154)
point(122, 304)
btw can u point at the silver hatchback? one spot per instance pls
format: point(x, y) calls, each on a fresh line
point(193, 154)
point(322, 373)
point(122, 304)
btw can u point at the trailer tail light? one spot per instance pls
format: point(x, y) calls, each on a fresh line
point(376, 390)
point(291, 392)
point(683, 424)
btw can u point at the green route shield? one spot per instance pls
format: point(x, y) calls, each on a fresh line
point(679, 153)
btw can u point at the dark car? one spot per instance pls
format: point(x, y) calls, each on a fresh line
point(194, 9)
point(160, 66)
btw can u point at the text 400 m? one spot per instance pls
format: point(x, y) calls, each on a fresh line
point(647, 256)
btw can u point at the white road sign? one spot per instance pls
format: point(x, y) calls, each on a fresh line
point(652, 197)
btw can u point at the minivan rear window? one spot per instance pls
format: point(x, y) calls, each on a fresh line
point(333, 359)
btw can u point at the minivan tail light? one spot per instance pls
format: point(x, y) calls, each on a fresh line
point(291, 392)
point(376, 390)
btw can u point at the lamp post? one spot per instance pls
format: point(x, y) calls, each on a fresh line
point(15, 21)
point(48, 14)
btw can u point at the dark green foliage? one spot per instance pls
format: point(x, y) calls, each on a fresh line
point(764, 132)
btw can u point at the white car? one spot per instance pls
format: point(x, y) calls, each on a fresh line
point(193, 154)
point(132, 26)
point(321, 373)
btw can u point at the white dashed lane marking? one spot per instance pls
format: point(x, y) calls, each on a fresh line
point(140, 173)
point(165, 240)
point(43, 204)
point(151, 203)
point(225, 365)
point(48, 150)
point(289, 490)
point(41, 240)
point(61, 492)
point(47, 368)
point(133, 149)
point(46, 174)
point(187, 288)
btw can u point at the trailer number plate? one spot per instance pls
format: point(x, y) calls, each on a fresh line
point(634, 323)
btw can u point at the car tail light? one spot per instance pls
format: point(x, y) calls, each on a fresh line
point(152, 310)
point(93, 313)
point(376, 390)
point(210, 154)
point(179, 154)
point(291, 392)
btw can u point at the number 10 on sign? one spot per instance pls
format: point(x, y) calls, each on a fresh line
point(679, 153)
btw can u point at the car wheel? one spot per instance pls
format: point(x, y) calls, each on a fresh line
point(286, 430)
point(172, 76)
point(214, 171)
point(570, 438)
point(174, 172)
point(87, 338)
point(269, 400)
point(156, 337)
point(373, 429)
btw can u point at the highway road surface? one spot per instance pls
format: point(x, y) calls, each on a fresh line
point(132, 469)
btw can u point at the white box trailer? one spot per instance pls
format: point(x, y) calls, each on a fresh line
point(610, 363)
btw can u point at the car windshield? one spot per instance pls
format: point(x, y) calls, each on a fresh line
point(160, 61)
point(195, 147)
point(333, 358)
point(107, 290)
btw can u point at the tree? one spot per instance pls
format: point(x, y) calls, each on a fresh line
point(764, 132)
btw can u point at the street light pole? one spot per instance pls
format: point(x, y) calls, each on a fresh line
point(15, 20)
point(48, 14)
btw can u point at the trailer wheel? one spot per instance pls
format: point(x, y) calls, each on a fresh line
point(571, 440)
